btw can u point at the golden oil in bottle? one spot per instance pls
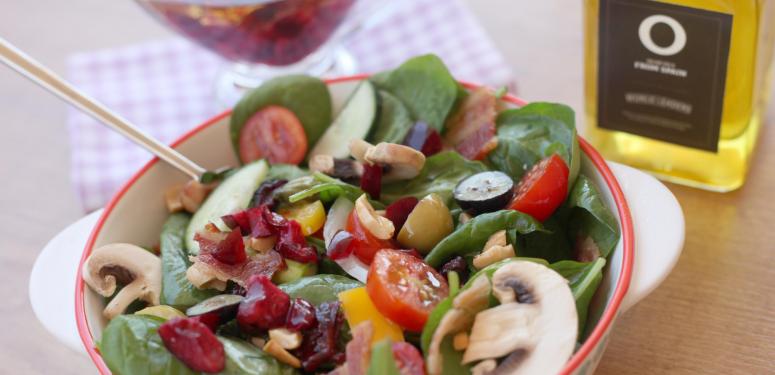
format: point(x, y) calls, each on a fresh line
point(679, 87)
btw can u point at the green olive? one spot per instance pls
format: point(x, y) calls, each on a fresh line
point(427, 224)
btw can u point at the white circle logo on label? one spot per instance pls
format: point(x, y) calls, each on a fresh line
point(644, 32)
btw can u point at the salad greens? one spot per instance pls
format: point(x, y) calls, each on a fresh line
point(319, 288)
point(440, 175)
point(584, 279)
point(394, 120)
point(425, 86)
point(307, 97)
point(591, 217)
point(469, 239)
point(176, 290)
point(382, 362)
point(533, 132)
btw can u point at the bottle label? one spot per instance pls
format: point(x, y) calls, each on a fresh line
point(662, 71)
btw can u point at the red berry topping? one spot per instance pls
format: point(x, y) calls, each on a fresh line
point(399, 210)
point(340, 248)
point(301, 315)
point(227, 248)
point(194, 344)
point(423, 138)
point(371, 181)
point(320, 343)
point(291, 244)
point(265, 305)
point(212, 320)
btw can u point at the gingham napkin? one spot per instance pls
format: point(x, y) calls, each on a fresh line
point(166, 87)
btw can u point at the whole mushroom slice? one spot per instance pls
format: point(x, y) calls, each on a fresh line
point(345, 169)
point(534, 328)
point(137, 269)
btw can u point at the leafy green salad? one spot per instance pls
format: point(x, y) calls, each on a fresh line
point(423, 228)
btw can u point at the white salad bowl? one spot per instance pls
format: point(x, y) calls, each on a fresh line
point(651, 221)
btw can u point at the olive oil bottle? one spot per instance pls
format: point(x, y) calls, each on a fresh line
point(679, 87)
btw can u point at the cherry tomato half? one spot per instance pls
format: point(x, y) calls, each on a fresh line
point(364, 245)
point(274, 133)
point(542, 189)
point(404, 288)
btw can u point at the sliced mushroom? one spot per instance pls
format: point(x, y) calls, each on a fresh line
point(458, 319)
point(535, 327)
point(138, 269)
point(345, 169)
point(402, 162)
point(484, 367)
point(379, 226)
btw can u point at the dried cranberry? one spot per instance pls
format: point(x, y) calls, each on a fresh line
point(292, 245)
point(423, 138)
point(212, 320)
point(265, 305)
point(320, 343)
point(408, 359)
point(371, 181)
point(232, 250)
point(264, 222)
point(238, 220)
point(227, 248)
point(457, 264)
point(264, 196)
point(301, 315)
point(432, 144)
point(194, 344)
point(340, 248)
point(399, 210)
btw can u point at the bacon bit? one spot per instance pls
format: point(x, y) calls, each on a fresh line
point(358, 350)
point(227, 248)
point(471, 131)
point(205, 265)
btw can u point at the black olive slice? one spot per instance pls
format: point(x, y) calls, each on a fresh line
point(484, 192)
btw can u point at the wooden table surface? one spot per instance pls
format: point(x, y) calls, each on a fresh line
point(715, 314)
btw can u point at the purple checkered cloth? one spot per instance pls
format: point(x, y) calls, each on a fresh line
point(166, 87)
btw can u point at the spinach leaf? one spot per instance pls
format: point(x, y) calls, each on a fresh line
point(307, 97)
point(425, 86)
point(244, 358)
point(382, 361)
point(285, 172)
point(318, 186)
point(533, 132)
point(584, 279)
point(176, 290)
point(469, 239)
point(440, 175)
point(551, 244)
point(394, 120)
point(319, 288)
point(590, 217)
point(130, 345)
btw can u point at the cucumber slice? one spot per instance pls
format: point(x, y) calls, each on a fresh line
point(294, 271)
point(231, 195)
point(354, 121)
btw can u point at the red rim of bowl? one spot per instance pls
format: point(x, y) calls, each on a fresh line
point(610, 313)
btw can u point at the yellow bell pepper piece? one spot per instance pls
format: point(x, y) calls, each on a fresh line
point(310, 216)
point(358, 308)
